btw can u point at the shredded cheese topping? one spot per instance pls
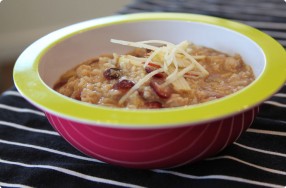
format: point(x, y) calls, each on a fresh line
point(174, 60)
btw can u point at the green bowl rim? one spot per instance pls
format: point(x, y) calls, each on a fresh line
point(31, 86)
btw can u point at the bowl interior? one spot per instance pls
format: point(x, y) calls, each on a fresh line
point(94, 41)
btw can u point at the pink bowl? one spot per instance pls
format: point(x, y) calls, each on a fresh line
point(149, 138)
point(153, 148)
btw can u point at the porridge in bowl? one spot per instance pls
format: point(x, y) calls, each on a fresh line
point(157, 74)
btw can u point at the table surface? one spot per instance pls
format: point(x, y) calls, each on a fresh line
point(32, 154)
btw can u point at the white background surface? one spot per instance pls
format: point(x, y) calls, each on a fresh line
point(24, 21)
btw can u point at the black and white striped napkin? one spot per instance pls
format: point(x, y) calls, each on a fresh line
point(32, 154)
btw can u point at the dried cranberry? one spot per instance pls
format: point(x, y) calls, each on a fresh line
point(123, 85)
point(158, 75)
point(163, 92)
point(112, 73)
point(153, 105)
point(149, 69)
point(149, 51)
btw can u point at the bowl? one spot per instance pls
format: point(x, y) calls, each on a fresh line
point(163, 138)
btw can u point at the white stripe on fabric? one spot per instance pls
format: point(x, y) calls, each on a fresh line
point(220, 177)
point(50, 150)
point(13, 185)
point(24, 110)
point(283, 95)
point(13, 93)
point(18, 126)
point(268, 132)
point(72, 173)
point(260, 150)
point(270, 170)
point(274, 103)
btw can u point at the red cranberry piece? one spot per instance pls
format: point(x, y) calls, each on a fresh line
point(123, 85)
point(112, 73)
point(163, 92)
point(149, 51)
point(150, 69)
point(153, 105)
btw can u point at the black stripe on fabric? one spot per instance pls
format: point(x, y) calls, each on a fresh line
point(69, 181)
point(18, 120)
point(17, 101)
point(265, 142)
point(276, 34)
point(272, 112)
point(228, 162)
point(37, 139)
point(266, 25)
point(282, 42)
point(282, 89)
point(249, 6)
point(231, 169)
point(250, 3)
point(232, 7)
point(212, 9)
point(255, 4)
point(243, 156)
point(34, 156)
point(49, 178)
point(270, 124)
point(278, 99)
point(187, 180)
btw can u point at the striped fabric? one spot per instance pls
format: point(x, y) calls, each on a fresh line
point(32, 154)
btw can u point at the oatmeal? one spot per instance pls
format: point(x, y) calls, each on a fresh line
point(156, 77)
